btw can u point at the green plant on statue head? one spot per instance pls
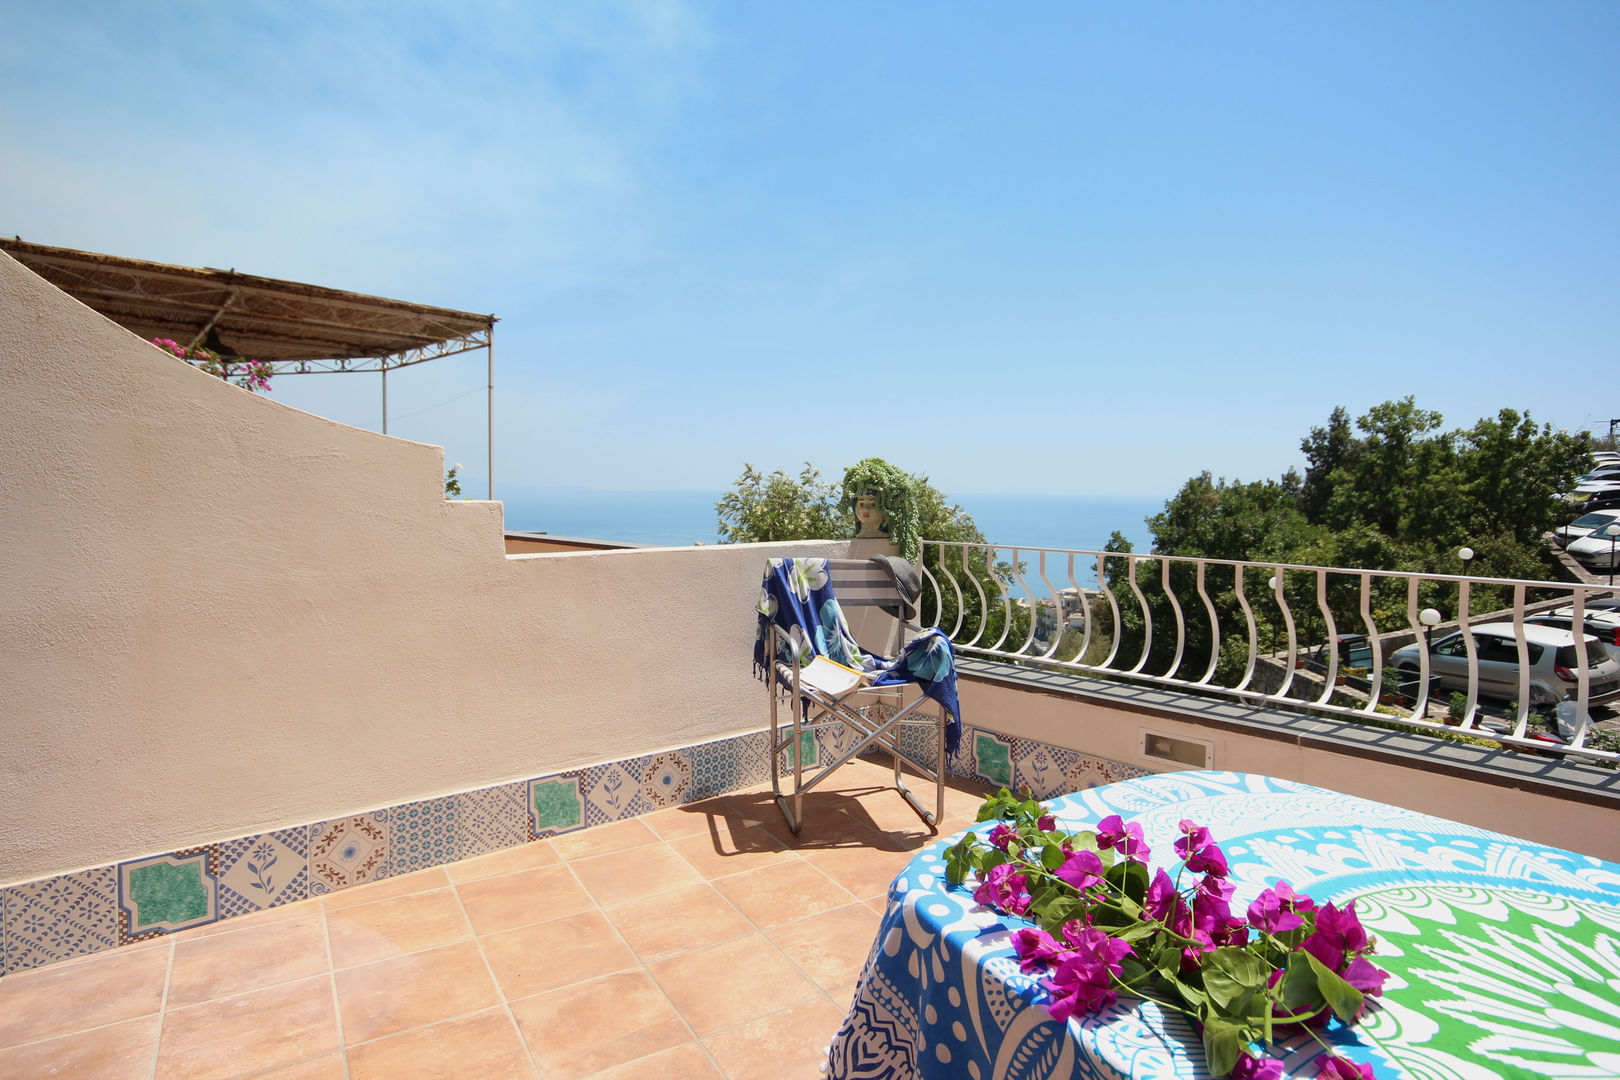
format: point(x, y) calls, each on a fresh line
point(896, 494)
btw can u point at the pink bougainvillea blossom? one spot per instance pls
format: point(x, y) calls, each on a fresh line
point(1334, 1067)
point(1083, 869)
point(1202, 854)
point(1082, 980)
point(1114, 834)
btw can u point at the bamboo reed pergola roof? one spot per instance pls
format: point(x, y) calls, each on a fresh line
point(293, 327)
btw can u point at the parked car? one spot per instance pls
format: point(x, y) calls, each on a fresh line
point(1585, 525)
point(1596, 551)
point(1600, 502)
point(1601, 624)
point(1550, 651)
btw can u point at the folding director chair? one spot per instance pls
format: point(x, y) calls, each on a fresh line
point(818, 671)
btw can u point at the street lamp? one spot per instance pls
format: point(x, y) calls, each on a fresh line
point(1430, 618)
point(1613, 533)
point(1466, 554)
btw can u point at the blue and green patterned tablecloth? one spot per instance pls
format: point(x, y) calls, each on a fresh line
point(1504, 955)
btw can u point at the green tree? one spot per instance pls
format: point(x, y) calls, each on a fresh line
point(762, 508)
point(776, 507)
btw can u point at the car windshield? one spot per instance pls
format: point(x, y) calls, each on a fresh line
point(1591, 521)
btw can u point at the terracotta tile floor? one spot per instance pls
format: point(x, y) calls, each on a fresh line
point(700, 942)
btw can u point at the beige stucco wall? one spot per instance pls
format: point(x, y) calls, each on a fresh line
point(220, 615)
point(1107, 732)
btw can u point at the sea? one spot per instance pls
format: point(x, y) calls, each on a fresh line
point(681, 518)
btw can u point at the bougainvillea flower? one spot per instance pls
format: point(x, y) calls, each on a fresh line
point(1005, 888)
point(1083, 869)
point(1036, 949)
point(994, 884)
point(1074, 929)
point(1365, 976)
point(1335, 1067)
point(1293, 901)
point(1202, 854)
point(1161, 897)
point(1338, 934)
point(1249, 1067)
point(1216, 887)
point(1002, 835)
point(1082, 979)
point(1272, 914)
point(1046, 823)
point(1114, 834)
point(1213, 915)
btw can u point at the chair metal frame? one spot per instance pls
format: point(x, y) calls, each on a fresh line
point(854, 708)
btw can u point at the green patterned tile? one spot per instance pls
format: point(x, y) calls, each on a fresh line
point(167, 892)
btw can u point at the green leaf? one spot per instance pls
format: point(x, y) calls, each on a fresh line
point(1342, 998)
point(1300, 993)
point(959, 859)
point(1223, 1042)
point(1053, 857)
point(1129, 877)
point(1136, 931)
point(1230, 975)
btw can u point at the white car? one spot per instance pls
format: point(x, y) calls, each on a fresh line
point(1601, 624)
point(1585, 525)
point(1596, 551)
point(1551, 652)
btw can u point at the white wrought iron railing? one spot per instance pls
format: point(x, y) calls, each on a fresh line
point(1142, 618)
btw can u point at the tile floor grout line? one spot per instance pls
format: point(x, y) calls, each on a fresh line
point(331, 978)
point(163, 1005)
point(500, 991)
point(642, 964)
point(763, 932)
point(647, 970)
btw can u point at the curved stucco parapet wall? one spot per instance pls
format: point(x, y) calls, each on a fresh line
point(219, 614)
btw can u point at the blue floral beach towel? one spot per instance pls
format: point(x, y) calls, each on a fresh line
point(798, 597)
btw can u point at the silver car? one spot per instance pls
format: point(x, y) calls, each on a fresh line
point(1551, 652)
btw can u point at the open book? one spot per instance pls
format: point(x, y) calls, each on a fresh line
point(831, 677)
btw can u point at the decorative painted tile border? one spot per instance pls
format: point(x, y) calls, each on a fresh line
point(57, 918)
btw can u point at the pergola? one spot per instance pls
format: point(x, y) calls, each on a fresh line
point(294, 328)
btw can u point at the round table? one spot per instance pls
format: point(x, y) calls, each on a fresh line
point(1503, 954)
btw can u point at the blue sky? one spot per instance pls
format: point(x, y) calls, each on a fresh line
point(1084, 249)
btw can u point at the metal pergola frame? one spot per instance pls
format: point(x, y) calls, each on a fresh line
point(291, 327)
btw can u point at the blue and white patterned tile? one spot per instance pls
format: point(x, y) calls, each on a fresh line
point(1037, 768)
point(58, 918)
point(348, 851)
point(167, 893)
point(556, 804)
point(493, 818)
point(423, 834)
point(961, 763)
point(714, 769)
point(613, 791)
point(258, 872)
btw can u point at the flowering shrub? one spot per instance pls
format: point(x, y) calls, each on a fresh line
point(1103, 924)
point(251, 375)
